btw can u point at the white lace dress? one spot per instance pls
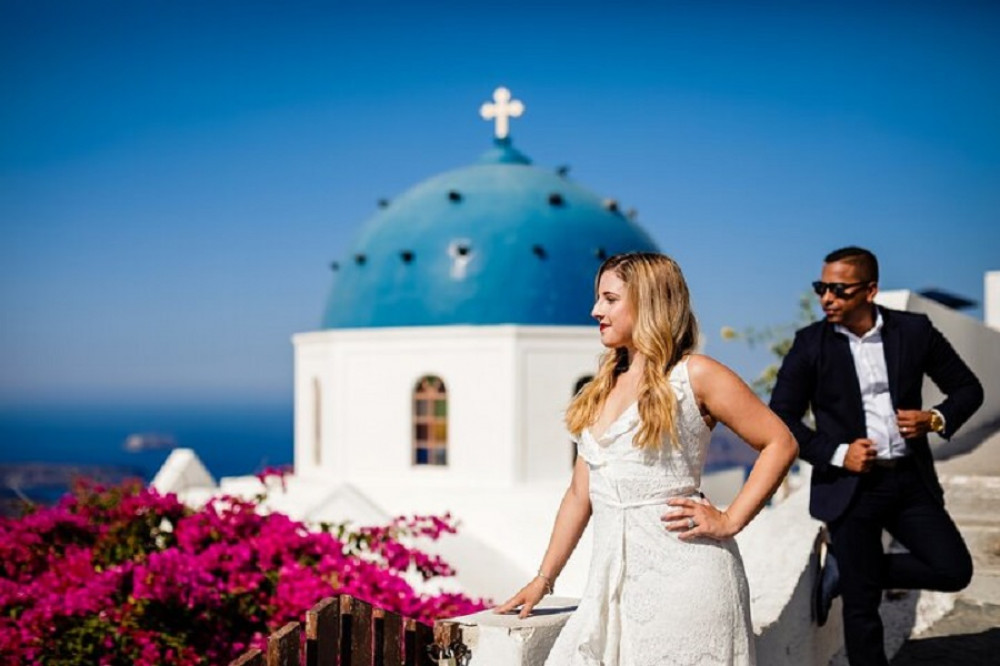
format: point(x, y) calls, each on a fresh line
point(652, 599)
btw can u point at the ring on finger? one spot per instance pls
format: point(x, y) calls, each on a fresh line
point(691, 523)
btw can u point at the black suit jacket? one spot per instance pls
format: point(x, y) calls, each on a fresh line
point(818, 372)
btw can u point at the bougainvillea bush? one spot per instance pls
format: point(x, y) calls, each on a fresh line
point(124, 575)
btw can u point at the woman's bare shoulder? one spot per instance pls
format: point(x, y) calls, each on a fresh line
point(700, 364)
point(704, 371)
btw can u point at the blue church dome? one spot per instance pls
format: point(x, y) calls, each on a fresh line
point(497, 242)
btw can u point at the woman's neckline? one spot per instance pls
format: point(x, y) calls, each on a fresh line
point(631, 405)
point(634, 403)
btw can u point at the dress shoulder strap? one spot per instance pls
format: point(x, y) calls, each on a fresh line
point(687, 403)
point(679, 372)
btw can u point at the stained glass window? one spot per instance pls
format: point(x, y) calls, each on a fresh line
point(430, 422)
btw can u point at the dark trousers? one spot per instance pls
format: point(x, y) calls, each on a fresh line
point(892, 499)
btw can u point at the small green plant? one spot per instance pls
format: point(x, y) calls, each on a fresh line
point(777, 338)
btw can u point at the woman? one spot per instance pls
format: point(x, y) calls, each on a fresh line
point(666, 583)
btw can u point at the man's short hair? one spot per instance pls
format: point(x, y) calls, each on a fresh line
point(864, 260)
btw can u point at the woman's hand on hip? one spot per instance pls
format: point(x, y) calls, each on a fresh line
point(691, 519)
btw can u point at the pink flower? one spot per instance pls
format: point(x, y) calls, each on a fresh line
point(124, 575)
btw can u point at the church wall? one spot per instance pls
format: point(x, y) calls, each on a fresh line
point(378, 425)
point(551, 361)
point(367, 378)
point(312, 364)
point(979, 347)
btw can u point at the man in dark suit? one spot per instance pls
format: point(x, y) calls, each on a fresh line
point(861, 371)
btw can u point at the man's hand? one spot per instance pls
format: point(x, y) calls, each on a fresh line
point(860, 455)
point(913, 422)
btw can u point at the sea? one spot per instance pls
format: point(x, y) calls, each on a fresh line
point(42, 448)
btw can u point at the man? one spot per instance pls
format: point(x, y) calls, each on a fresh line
point(861, 371)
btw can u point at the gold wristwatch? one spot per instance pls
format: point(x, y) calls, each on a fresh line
point(937, 421)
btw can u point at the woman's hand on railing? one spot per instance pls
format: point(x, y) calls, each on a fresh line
point(527, 598)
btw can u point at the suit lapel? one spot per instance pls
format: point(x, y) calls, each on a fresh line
point(891, 346)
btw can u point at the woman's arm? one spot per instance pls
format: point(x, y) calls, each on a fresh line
point(574, 513)
point(727, 399)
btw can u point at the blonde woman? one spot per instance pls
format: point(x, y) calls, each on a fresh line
point(666, 582)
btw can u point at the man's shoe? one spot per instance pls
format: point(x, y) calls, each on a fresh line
point(826, 586)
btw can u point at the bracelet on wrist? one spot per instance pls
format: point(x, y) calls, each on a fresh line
point(549, 583)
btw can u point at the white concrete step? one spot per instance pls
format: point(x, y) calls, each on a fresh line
point(984, 544)
point(973, 500)
point(974, 504)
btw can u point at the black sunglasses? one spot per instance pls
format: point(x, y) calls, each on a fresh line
point(838, 289)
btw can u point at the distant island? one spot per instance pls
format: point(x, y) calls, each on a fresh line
point(149, 441)
point(44, 483)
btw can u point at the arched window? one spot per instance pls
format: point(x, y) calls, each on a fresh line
point(430, 422)
point(580, 383)
point(317, 422)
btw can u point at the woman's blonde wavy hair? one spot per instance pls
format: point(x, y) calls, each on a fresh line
point(665, 331)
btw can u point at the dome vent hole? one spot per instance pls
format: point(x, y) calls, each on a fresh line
point(460, 252)
point(406, 256)
point(601, 254)
point(360, 259)
point(539, 251)
point(334, 266)
point(454, 196)
point(556, 199)
point(383, 203)
point(611, 204)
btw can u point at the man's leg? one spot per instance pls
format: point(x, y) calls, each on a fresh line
point(856, 542)
point(938, 557)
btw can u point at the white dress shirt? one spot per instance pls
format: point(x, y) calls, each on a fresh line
point(873, 376)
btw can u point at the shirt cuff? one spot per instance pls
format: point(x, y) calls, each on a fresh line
point(839, 455)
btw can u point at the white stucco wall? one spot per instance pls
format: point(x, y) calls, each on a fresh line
point(991, 299)
point(550, 363)
point(979, 347)
point(367, 379)
point(184, 473)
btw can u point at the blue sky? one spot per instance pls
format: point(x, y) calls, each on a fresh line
point(175, 177)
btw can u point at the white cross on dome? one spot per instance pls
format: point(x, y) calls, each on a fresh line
point(501, 110)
